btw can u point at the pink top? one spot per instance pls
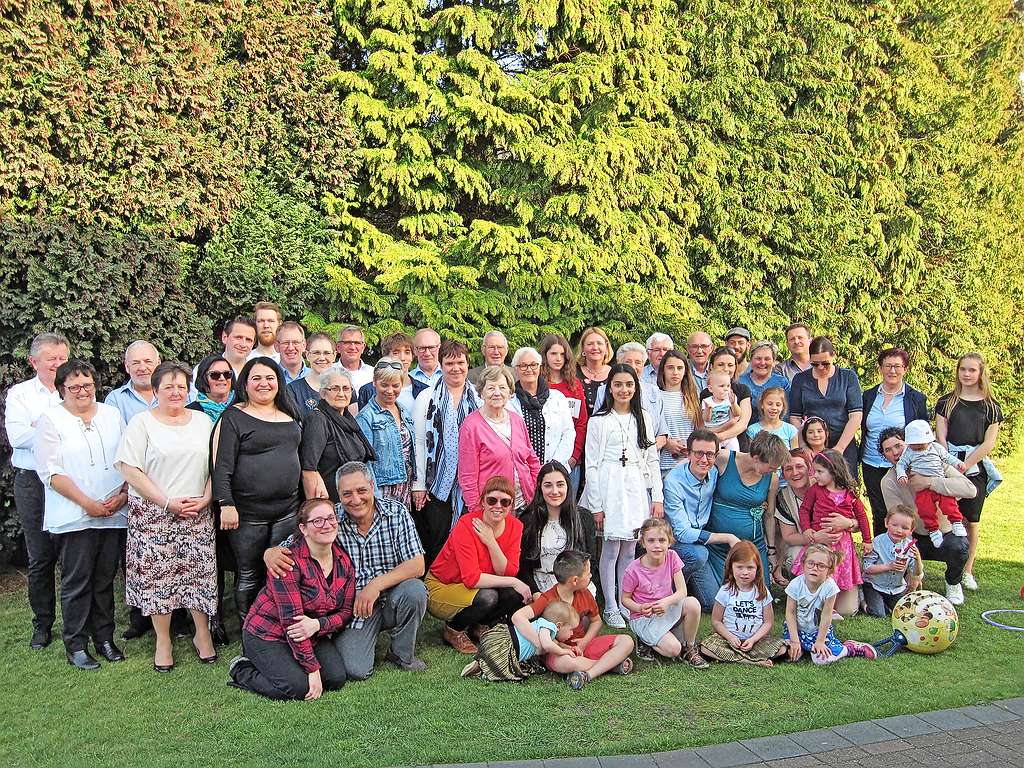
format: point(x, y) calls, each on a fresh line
point(647, 585)
point(819, 503)
point(484, 454)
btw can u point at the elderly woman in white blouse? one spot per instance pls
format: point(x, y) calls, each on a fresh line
point(84, 509)
point(546, 411)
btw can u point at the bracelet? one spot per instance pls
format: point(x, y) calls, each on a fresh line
point(167, 503)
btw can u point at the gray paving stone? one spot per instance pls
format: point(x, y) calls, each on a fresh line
point(821, 740)
point(680, 758)
point(774, 747)
point(573, 762)
point(844, 757)
point(628, 761)
point(515, 764)
point(863, 733)
point(885, 747)
point(990, 714)
point(1014, 705)
point(800, 761)
point(948, 719)
point(726, 755)
point(906, 725)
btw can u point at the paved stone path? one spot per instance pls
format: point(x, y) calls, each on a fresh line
point(990, 736)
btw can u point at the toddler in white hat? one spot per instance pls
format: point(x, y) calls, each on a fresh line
point(924, 456)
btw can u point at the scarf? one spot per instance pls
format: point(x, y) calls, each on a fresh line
point(212, 409)
point(443, 421)
point(348, 438)
point(533, 414)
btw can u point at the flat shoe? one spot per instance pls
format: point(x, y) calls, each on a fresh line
point(41, 638)
point(82, 660)
point(109, 651)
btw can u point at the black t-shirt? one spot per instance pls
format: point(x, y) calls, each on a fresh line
point(969, 420)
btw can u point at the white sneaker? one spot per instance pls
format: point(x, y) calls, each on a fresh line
point(955, 594)
point(958, 529)
point(625, 613)
point(936, 537)
point(969, 581)
point(614, 619)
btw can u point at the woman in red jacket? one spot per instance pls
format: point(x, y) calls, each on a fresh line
point(472, 583)
point(287, 632)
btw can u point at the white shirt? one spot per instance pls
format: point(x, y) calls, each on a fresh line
point(808, 603)
point(64, 445)
point(559, 431)
point(275, 356)
point(174, 457)
point(744, 611)
point(26, 402)
point(360, 377)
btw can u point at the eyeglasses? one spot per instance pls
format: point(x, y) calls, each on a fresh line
point(290, 343)
point(496, 348)
point(428, 348)
point(351, 343)
point(503, 501)
point(700, 346)
point(323, 522)
point(528, 366)
point(384, 365)
point(74, 389)
point(336, 389)
point(707, 455)
point(892, 366)
point(218, 375)
point(815, 566)
point(821, 364)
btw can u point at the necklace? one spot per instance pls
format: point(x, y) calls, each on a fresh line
point(887, 392)
point(590, 372)
point(625, 435)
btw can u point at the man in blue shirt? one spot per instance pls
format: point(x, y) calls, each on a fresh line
point(689, 490)
point(136, 395)
point(425, 345)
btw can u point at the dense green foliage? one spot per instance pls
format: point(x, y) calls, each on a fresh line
point(546, 165)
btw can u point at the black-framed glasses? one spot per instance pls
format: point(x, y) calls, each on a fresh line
point(528, 366)
point(219, 375)
point(323, 522)
point(74, 389)
point(494, 501)
point(707, 455)
point(383, 365)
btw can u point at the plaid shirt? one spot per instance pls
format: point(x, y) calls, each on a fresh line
point(304, 591)
point(391, 540)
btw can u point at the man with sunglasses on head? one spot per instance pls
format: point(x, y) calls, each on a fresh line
point(689, 489)
point(380, 538)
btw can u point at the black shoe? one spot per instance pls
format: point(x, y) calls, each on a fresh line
point(109, 651)
point(41, 638)
point(136, 630)
point(218, 633)
point(162, 668)
point(82, 660)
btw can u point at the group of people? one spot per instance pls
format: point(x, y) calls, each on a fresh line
point(373, 493)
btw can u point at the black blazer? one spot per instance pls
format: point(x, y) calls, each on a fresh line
point(915, 406)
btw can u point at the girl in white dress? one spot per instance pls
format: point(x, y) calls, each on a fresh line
point(623, 480)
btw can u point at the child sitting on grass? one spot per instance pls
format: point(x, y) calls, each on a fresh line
point(810, 600)
point(742, 616)
point(893, 556)
point(661, 614)
point(596, 653)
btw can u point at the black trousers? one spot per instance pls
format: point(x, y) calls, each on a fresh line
point(272, 670)
point(41, 548)
point(433, 524)
point(88, 562)
point(873, 486)
point(248, 543)
point(492, 605)
point(953, 553)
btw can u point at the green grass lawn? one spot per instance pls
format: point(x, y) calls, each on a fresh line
point(126, 713)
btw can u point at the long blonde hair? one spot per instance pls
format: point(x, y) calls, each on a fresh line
point(984, 386)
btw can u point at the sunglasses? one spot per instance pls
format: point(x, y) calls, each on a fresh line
point(821, 364)
point(221, 375)
point(503, 501)
point(383, 366)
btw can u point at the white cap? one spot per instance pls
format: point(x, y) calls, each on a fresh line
point(919, 431)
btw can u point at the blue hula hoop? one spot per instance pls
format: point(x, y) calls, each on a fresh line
point(985, 617)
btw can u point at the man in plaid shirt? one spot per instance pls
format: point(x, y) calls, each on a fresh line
point(380, 537)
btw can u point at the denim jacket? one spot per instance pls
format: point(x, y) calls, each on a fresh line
point(379, 427)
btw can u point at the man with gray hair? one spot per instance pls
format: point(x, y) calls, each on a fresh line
point(495, 349)
point(136, 395)
point(658, 344)
point(387, 556)
point(351, 344)
point(26, 402)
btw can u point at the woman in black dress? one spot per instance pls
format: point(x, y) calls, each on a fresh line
point(256, 471)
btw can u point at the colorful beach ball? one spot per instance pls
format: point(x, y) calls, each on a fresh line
point(927, 620)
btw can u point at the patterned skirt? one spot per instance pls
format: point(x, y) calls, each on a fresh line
point(717, 647)
point(171, 562)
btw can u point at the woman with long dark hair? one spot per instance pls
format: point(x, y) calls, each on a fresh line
point(256, 472)
point(552, 524)
point(623, 480)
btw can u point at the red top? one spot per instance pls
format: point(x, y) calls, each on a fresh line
point(580, 422)
point(304, 590)
point(465, 558)
point(818, 504)
point(582, 601)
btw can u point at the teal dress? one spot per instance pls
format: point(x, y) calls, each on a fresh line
point(737, 509)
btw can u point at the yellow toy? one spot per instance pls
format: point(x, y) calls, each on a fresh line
point(922, 621)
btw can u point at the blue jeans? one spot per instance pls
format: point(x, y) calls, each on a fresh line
point(697, 573)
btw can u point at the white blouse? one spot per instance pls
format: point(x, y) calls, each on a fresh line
point(65, 445)
point(176, 458)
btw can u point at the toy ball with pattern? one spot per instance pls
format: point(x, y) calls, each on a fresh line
point(927, 620)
